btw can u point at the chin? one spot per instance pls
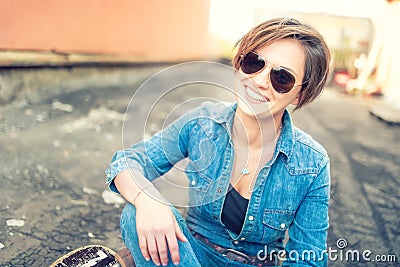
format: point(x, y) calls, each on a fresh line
point(259, 110)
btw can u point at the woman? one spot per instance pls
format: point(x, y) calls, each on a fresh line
point(265, 177)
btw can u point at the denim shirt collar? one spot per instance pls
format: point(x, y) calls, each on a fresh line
point(226, 114)
point(286, 140)
point(223, 115)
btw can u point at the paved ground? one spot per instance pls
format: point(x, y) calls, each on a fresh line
point(54, 151)
point(365, 172)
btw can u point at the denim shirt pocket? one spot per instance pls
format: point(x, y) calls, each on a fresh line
point(275, 223)
point(199, 185)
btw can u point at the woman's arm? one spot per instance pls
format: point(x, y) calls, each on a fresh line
point(130, 174)
point(154, 157)
point(156, 225)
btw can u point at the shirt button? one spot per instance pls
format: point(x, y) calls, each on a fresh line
point(251, 218)
point(283, 225)
point(235, 242)
point(243, 238)
point(193, 182)
point(219, 190)
point(215, 218)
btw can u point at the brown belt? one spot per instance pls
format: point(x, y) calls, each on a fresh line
point(238, 256)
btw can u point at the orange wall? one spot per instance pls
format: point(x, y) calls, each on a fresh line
point(156, 29)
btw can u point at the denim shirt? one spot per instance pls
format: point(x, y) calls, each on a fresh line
point(291, 190)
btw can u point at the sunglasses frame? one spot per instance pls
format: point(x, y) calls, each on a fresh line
point(269, 74)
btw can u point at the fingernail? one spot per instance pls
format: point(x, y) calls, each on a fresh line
point(147, 259)
point(176, 262)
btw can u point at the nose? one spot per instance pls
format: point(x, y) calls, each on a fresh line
point(261, 79)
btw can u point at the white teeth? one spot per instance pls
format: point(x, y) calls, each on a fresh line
point(254, 96)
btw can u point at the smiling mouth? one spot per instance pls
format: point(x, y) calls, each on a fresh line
point(254, 97)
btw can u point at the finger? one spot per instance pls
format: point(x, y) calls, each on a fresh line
point(152, 248)
point(179, 234)
point(143, 247)
point(162, 249)
point(173, 248)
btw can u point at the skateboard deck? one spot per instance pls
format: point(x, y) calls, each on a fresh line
point(88, 256)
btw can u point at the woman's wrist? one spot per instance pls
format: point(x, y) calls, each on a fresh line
point(141, 193)
point(148, 194)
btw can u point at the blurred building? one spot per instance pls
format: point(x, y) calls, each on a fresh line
point(104, 30)
point(386, 55)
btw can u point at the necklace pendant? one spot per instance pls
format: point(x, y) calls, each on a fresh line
point(245, 171)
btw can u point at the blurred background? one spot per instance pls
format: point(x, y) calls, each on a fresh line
point(65, 33)
point(68, 69)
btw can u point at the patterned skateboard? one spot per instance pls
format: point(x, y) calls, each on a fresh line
point(95, 256)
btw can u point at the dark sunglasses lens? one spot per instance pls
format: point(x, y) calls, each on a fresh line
point(252, 63)
point(282, 80)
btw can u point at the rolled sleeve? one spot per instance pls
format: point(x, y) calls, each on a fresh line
point(119, 164)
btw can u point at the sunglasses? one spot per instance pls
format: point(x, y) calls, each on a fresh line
point(282, 80)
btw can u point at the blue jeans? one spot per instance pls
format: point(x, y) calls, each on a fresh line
point(192, 253)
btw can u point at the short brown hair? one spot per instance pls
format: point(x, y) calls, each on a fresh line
point(316, 51)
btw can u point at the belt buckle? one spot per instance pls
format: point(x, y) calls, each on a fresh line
point(234, 254)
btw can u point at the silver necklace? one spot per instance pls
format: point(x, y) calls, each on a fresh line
point(246, 171)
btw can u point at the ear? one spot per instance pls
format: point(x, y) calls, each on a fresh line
point(295, 101)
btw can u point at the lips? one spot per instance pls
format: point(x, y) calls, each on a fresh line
point(254, 96)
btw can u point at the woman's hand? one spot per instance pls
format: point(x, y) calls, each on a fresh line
point(157, 230)
point(156, 226)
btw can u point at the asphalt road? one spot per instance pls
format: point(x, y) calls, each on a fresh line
point(53, 196)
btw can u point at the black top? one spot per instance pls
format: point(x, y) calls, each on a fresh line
point(234, 210)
